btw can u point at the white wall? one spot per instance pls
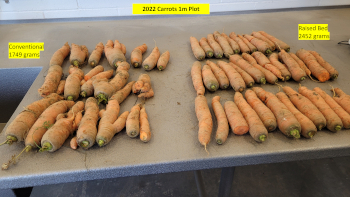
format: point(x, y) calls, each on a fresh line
point(44, 9)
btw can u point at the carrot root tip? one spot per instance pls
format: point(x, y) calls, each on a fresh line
point(83, 94)
point(295, 133)
point(84, 143)
point(46, 147)
point(337, 128)
point(101, 143)
point(218, 141)
point(262, 138)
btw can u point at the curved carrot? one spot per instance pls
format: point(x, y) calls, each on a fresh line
point(218, 52)
point(258, 76)
point(93, 72)
point(114, 53)
point(59, 56)
point(205, 120)
point(60, 88)
point(249, 81)
point(145, 131)
point(301, 64)
point(332, 71)
point(298, 74)
point(224, 44)
point(233, 44)
point(220, 75)
point(163, 60)
point(223, 128)
point(238, 124)
point(278, 43)
point(72, 86)
point(196, 74)
point(261, 37)
point(234, 77)
point(52, 80)
point(243, 47)
point(133, 122)
point(78, 54)
point(203, 42)
point(316, 69)
point(261, 45)
point(73, 143)
point(210, 82)
point(274, 61)
point(95, 55)
point(250, 45)
point(343, 100)
point(121, 95)
point(151, 61)
point(136, 55)
point(197, 50)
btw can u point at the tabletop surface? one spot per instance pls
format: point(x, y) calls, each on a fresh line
point(174, 145)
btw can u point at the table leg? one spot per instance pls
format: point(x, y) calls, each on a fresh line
point(226, 181)
point(200, 183)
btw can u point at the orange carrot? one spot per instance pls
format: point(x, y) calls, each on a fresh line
point(210, 82)
point(220, 75)
point(205, 120)
point(82, 82)
point(316, 69)
point(197, 50)
point(261, 37)
point(243, 47)
point(269, 76)
point(343, 115)
point(145, 131)
point(261, 45)
point(343, 99)
point(93, 72)
point(233, 44)
point(278, 43)
point(78, 55)
point(100, 114)
point(163, 60)
point(60, 88)
point(224, 44)
point(114, 53)
point(148, 94)
point(218, 52)
point(74, 143)
point(72, 86)
point(136, 55)
point(151, 61)
point(260, 58)
point(203, 42)
point(123, 48)
point(250, 45)
point(274, 61)
point(133, 122)
point(301, 64)
point(96, 54)
point(249, 81)
point(258, 76)
point(264, 113)
point(59, 56)
point(234, 77)
point(121, 76)
point(121, 95)
point(286, 121)
point(306, 107)
point(308, 129)
point(106, 129)
point(332, 71)
point(52, 80)
point(143, 87)
point(334, 123)
point(196, 74)
point(223, 128)
point(87, 89)
point(238, 124)
point(298, 74)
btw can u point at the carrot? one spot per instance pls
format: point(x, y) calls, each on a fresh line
point(136, 55)
point(298, 74)
point(308, 129)
point(311, 62)
point(223, 128)
point(93, 72)
point(260, 58)
point(100, 114)
point(121, 76)
point(278, 43)
point(205, 120)
point(269, 76)
point(60, 88)
point(301, 63)
point(237, 122)
point(52, 80)
point(196, 74)
point(123, 48)
point(95, 55)
point(87, 89)
point(82, 82)
point(257, 75)
point(114, 53)
point(306, 107)
point(78, 54)
point(332, 71)
point(220, 75)
point(234, 77)
point(218, 52)
point(286, 121)
point(210, 82)
point(145, 131)
point(256, 127)
point(133, 122)
point(72, 85)
point(59, 56)
point(249, 81)
point(233, 44)
point(342, 114)
point(151, 61)
point(261, 37)
point(56, 135)
point(203, 42)
point(163, 60)
point(250, 45)
point(264, 113)
point(284, 71)
point(243, 47)
point(143, 87)
point(197, 50)
point(59, 116)
point(261, 45)
point(148, 94)
point(343, 100)
point(74, 143)
point(121, 95)
point(334, 123)
point(105, 136)
point(44, 122)
point(19, 127)
point(224, 44)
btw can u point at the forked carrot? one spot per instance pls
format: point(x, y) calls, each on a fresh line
point(332, 71)
point(257, 75)
point(224, 44)
point(52, 80)
point(234, 77)
point(209, 80)
point(163, 60)
point(218, 52)
point(196, 74)
point(114, 53)
point(151, 61)
point(78, 55)
point(220, 75)
point(249, 81)
point(59, 56)
point(203, 42)
point(145, 131)
point(136, 55)
point(197, 50)
point(223, 128)
point(316, 69)
point(238, 124)
point(205, 125)
point(95, 55)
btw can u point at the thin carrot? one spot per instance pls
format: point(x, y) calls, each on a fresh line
point(223, 128)
point(95, 55)
point(278, 43)
point(261, 45)
point(269, 76)
point(121, 95)
point(145, 131)
point(59, 56)
point(60, 88)
point(218, 52)
point(87, 89)
point(233, 44)
point(234, 77)
point(301, 64)
point(78, 55)
point(93, 72)
point(249, 81)
point(316, 69)
point(136, 55)
point(101, 112)
point(123, 48)
point(52, 80)
point(209, 80)
point(73, 143)
point(274, 61)
point(224, 44)
point(243, 47)
point(133, 122)
point(203, 42)
point(205, 125)
point(261, 37)
point(163, 60)
point(197, 50)
point(196, 74)
point(258, 76)
point(151, 61)
point(332, 71)
point(220, 75)
point(250, 45)
point(238, 124)
point(72, 85)
point(114, 53)
point(343, 99)
point(298, 74)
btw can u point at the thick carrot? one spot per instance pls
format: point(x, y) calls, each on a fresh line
point(106, 130)
point(95, 55)
point(234, 77)
point(220, 75)
point(87, 89)
point(261, 37)
point(209, 80)
point(223, 128)
point(143, 84)
point(301, 63)
point(260, 58)
point(218, 52)
point(298, 74)
point(256, 127)
point(52, 80)
point(243, 47)
point(269, 76)
point(261, 45)
point(334, 123)
point(105, 136)
point(196, 74)
point(306, 107)
point(59, 56)
point(72, 86)
point(163, 60)
point(343, 99)
point(332, 71)
point(133, 122)
point(73, 143)
point(205, 125)
point(343, 115)
point(274, 61)
point(78, 54)
point(121, 76)
point(203, 42)
point(60, 88)
point(145, 131)
point(250, 45)
point(238, 124)
point(56, 135)
point(93, 72)
point(257, 75)
point(102, 90)
point(136, 55)
point(249, 81)
point(278, 43)
point(233, 44)
point(224, 44)
point(151, 61)
point(121, 95)
point(264, 113)
point(197, 50)
point(114, 53)
point(308, 129)
point(316, 69)
point(286, 121)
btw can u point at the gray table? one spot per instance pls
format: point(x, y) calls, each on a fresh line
point(174, 146)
